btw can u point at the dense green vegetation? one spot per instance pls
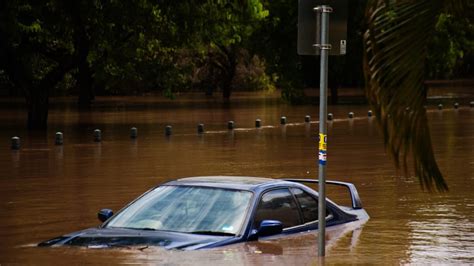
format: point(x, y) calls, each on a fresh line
point(124, 47)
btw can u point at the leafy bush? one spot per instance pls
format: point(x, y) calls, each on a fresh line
point(451, 48)
point(251, 74)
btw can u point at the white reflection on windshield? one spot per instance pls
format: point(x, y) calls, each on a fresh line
point(187, 209)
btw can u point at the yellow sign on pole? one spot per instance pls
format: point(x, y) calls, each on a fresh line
point(323, 141)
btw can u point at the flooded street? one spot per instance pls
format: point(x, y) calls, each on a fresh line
point(48, 190)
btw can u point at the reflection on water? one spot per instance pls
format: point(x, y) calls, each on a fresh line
point(47, 190)
point(443, 233)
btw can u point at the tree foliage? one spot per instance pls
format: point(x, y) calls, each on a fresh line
point(451, 50)
point(222, 30)
point(275, 40)
point(117, 46)
point(35, 51)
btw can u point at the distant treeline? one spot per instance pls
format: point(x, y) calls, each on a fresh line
point(109, 47)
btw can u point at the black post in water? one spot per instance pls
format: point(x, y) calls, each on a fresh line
point(323, 75)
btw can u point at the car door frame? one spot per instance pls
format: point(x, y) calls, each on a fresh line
point(339, 216)
point(289, 230)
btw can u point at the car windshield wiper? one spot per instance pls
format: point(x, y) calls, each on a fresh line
point(135, 228)
point(215, 233)
point(203, 232)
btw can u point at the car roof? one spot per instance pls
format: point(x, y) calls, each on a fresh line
point(229, 182)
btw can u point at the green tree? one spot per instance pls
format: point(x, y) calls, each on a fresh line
point(42, 41)
point(121, 43)
point(36, 51)
point(222, 27)
point(275, 39)
point(452, 47)
point(118, 46)
point(398, 34)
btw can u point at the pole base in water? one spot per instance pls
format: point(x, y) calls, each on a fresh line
point(97, 135)
point(168, 130)
point(258, 123)
point(15, 143)
point(59, 138)
point(133, 133)
point(200, 128)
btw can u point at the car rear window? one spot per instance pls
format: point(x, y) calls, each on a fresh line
point(308, 205)
point(278, 205)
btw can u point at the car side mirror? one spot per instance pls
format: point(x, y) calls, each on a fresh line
point(270, 227)
point(104, 214)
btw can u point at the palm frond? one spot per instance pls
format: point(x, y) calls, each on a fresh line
point(395, 49)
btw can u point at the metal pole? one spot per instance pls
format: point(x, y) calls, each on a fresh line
point(324, 46)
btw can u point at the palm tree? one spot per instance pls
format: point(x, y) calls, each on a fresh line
point(398, 32)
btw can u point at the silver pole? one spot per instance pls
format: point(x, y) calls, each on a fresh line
point(324, 46)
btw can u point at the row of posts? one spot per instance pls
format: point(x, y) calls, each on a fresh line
point(59, 139)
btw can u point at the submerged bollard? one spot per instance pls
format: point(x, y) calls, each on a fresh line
point(351, 115)
point(97, 135)
point(230, 125)
point(440, 106)
point(330, 116)
point(168, 130)
point(471, 104)
point(283, 120)
point(369, 113)
point(200, 128)
point(258, 123)
point(15, 143)
point(456, 105)
point(59, 138)
point(133, 133)
point(307, 119)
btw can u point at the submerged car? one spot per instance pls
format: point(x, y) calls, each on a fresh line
point(213, 211)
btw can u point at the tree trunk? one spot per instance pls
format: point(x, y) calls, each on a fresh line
point(334, 79)
point(226, 88)
point(37, 103)
point(85, 86)
point(334, 92)
point(37, 95)
point(230, 72)
point(82, 47)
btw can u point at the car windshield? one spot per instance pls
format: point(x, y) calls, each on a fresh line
point(188, 209)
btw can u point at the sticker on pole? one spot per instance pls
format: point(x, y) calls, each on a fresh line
point(323, 141)
point(322, 157)
point(322, 148)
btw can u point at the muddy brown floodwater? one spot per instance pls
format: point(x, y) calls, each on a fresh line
point(48, 190)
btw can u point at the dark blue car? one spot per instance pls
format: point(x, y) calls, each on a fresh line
point(206, 212)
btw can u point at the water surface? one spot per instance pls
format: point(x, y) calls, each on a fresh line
point(48, 190)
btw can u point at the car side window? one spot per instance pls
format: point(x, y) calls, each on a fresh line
point(278, 205)
point(308, 205)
